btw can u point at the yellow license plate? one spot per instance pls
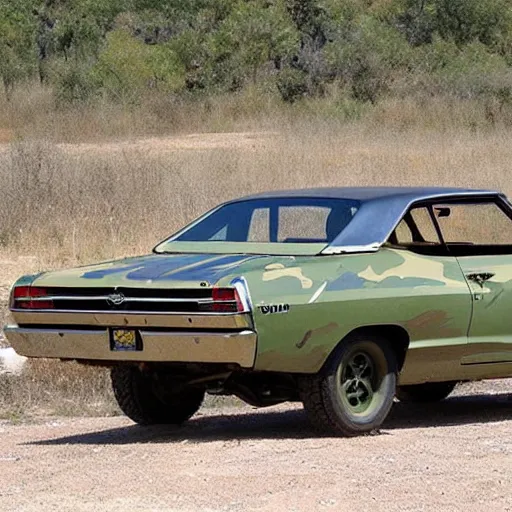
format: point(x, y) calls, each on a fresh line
point(124, 339)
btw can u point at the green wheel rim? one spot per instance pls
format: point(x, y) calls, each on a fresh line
point(359, 376)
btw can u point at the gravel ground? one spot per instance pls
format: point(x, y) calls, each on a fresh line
point(451, 456)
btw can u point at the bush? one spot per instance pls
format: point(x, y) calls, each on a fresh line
point(365, 57)
point(17, 43)
point(73, 84)
point(473, 72)
point(253, 35)
point(292, 84)
point(466, 21)
point(126, 66)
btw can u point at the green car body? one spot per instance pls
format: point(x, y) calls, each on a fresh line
point(443, 308)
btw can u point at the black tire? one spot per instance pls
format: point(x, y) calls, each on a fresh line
point(424, 393)
point(137, 397)
point(337, 401)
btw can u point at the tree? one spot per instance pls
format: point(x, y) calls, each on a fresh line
point(466, 21)
point(17, 49)
point(254, 34)
point(126, 66)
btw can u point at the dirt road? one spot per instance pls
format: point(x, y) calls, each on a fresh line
point(453, 456)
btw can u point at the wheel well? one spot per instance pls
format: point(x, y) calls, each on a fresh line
point(395, 334)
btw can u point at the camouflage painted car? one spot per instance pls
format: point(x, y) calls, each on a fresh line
point(340, 298)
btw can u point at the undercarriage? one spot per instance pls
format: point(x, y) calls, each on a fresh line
point(260, 389)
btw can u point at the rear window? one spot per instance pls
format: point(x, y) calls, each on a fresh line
point(276, 220)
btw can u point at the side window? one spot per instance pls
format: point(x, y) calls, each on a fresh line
point(416, 228)
point(474, 224)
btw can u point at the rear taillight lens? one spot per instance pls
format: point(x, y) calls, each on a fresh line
point(30, 297)
point(226, 300)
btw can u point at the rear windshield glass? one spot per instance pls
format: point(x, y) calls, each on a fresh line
point(275, 220)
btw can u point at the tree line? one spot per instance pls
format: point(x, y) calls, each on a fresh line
point(363, 49)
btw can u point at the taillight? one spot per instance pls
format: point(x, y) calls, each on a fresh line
point(226, 300)
point(30, 297)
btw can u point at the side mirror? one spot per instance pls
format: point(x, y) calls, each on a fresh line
point(443, 211)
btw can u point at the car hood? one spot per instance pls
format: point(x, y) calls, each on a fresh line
point(157, 271)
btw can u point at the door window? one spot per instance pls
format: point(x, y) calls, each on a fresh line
point(474, 224)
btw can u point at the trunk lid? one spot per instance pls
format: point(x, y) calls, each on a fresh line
point(151, 271)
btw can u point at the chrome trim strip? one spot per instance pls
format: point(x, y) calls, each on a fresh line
point(52, 330)
point(55, 330)
point(100, 319)
point(240, 284)
point(106, 297)
point(195, 334)
point(127, 312)
point(352, 249)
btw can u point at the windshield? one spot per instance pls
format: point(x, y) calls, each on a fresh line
point(292, 221)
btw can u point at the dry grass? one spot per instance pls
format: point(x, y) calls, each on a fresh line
point(33, 112)
point(65, 203)
point(53, 388)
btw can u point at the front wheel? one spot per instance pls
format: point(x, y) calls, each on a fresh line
point(354, 393)
point(146, 401)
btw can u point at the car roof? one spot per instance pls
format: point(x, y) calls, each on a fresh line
point(379, 212)
point(364, 194)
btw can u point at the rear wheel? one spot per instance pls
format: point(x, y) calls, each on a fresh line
point(423, 393)
point(144, 400)
point(354, 393)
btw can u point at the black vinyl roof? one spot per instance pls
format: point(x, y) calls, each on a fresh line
point(364, 194)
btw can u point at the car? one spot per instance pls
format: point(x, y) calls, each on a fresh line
point(341, 298)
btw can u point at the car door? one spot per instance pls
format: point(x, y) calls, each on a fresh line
point(478, 233)
point(441, 303)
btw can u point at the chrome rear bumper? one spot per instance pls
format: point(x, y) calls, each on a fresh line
point(54, 318)
point(94, 345)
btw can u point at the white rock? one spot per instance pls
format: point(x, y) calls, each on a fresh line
point(10, 362)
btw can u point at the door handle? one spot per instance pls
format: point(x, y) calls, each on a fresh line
point(480, 277)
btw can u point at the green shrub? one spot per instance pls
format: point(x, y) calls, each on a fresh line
point(416, 19)
point(364, 58)
point(126, 66)
point(465, 21)
point(254, 34)
point(17, 42)
point(474, 71)
point(73, 84)
point(292, 84)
